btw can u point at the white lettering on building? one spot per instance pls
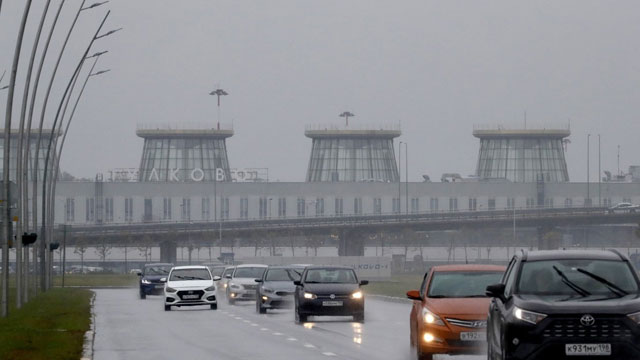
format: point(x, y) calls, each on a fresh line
point(197, 174)
point(173, 174)
point(153, 176)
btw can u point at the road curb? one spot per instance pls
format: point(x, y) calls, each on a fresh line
point(391, 298)
point(90, 335)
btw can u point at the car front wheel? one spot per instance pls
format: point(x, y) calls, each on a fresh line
point(143, 295)
point(214, 306)
point(167, 308)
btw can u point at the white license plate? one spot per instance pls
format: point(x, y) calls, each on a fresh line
point(587, 349)
point(332, 303)
point(473, 336)
point(190, 297)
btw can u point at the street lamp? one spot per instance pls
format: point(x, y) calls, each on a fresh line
point(346, 115)
point(218, 93)
point(588, 189)
point(94, 5)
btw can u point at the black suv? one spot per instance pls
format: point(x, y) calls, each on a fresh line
point(560, 304)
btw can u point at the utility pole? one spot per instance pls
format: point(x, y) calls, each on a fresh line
point(599, 175)
point(588, 189)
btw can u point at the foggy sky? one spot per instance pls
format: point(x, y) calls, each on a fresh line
point(436, 67)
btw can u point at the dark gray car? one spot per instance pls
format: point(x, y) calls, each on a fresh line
point(276, 287)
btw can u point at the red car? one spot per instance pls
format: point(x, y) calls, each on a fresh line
point(449, 312)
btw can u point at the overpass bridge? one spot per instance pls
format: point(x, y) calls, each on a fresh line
point(351, 230)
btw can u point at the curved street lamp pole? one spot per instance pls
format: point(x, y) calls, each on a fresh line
point(8, 224)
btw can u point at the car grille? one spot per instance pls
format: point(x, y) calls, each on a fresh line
point(336, 296)
point(572, 328)
point(474, 324)
point(181, 294)
point(284, 293)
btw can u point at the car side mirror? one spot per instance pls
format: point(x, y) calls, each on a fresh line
point(217, 278)
point(364, 282)
point(414, 295)
point(496, 291)
point(258, 280)
point(297, 283)
point(227, 276)
point(164, 279)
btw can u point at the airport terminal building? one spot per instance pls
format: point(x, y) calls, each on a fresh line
point(185, 175)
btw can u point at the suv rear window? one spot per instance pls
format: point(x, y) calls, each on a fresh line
point(573, 276)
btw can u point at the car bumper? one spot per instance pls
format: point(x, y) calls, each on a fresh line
point(152, 289)
point(447, 341)
point(270, 301)
point(242, 294)
point(175, 299)
point(319, 307)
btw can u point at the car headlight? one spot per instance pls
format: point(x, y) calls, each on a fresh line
point(145, 281)
point(357, 295)
point(210, 288)
point(528, 316)
point(234, 286)
point(225, 286)
point(431, 318)
point(310, 296)
point(267, 290)
point(635, 317)
point(170, 289)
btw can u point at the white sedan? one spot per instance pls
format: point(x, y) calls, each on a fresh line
point(624, 207)
point(190, 286)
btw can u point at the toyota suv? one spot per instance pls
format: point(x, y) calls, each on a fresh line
point(565, 304)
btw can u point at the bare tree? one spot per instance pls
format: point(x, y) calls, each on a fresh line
point(80, 249)
point(103, 250)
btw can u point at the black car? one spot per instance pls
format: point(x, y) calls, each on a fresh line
point(329, 290)
point(560, 304)
point(152, 279)
point(276, 288)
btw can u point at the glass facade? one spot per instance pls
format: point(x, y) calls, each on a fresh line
point(32, 149)
point(184, 159)
point(352, 159)
point(522, 159)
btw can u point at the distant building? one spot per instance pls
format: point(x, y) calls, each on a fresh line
point(174, 153)
point(348, 154)
point(522, 155)
point(42, 153)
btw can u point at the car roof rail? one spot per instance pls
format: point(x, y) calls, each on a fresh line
point(524, 254)
point(615, 251)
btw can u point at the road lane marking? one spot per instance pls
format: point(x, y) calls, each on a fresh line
point(277, 334)
point(310, 346)
point(264, 329)
point(329, 354)
point(254, 324)
point(247, 321)
point(292, 339)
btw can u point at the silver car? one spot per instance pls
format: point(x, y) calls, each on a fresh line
point(276, 288)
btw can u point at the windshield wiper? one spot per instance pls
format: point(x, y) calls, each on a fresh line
point(570, 283)
point(611, 286)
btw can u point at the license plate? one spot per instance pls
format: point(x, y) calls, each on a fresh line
point(473, 336)
point(190, 297)
point(332, 303)
point(587, 349)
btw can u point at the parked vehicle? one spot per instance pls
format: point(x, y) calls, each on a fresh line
point(329, 290)
point(276, 288)
point(190, 286)
point(623, 207)
point(242, 283)
point(565, 303)
point(449, 312)
point(152, 278)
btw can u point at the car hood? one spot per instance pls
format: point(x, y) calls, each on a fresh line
point(592, 304)
point(190, 284)
point(244, 281)
point(458, 306)
point(154, 277)
point(280, 285)
point(327, 288)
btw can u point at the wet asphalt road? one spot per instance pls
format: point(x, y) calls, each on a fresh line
point(130, 328)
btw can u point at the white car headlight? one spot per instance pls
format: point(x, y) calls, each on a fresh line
point(267, 290)
point(528, 316)
point(431, 318)
point(210, 288)
point(234, 286)
point(635, 317)
point(145, 281)
point(310, 296)
point(357, 295)
point(170, 289)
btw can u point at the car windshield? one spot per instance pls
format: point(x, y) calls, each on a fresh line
point(283, 274)
point(461, 284)
point(190, 274)
point(249, 272)
point(332, 276)
point(157, 269)
point(577, 277)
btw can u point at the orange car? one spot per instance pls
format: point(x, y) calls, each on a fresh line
point(449, 312)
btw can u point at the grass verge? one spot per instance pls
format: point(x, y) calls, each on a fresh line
point(396, 286)
point(51, 326)
point(96, 280)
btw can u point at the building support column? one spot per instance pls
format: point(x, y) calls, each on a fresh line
point(168, 251)
point(351, 243)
